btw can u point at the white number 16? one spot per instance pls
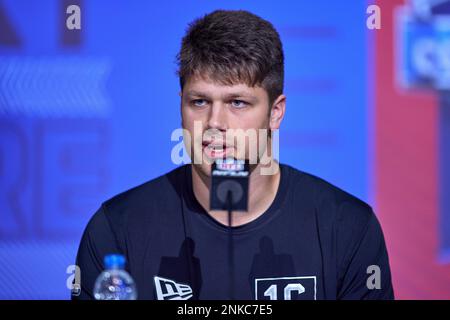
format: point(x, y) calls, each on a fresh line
point(272, 291)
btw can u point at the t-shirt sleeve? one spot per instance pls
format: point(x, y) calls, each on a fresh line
point(98, 240)
point(365, 273)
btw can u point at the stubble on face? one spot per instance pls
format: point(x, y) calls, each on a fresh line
point(224, 121)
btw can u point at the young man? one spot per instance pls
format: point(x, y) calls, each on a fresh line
point(302, 238)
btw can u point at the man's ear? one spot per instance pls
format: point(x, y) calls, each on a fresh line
point(277, 112)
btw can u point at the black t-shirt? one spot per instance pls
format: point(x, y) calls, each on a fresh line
point(314, 242)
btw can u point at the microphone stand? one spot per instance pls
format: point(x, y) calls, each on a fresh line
point(230, 244)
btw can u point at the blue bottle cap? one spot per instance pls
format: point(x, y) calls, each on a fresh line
point(114, 261)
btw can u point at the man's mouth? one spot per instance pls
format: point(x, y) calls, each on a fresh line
point(216, 150)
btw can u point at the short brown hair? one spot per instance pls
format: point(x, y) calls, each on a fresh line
point(233, 47)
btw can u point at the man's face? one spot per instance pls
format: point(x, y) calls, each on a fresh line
point(212, 113)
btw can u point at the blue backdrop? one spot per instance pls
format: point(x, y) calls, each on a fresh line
point(87, 114)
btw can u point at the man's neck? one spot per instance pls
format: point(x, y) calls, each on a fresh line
point(262, 192)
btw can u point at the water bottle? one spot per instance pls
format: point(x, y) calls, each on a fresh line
point(114, 283)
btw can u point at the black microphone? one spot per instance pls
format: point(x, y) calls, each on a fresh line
point(229, 191)
point(229, 177)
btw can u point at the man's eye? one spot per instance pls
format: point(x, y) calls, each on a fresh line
point(238, 103)
point(199, 102)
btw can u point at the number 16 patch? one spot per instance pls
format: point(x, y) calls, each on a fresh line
point(286, 288)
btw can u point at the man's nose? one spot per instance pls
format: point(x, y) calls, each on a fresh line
point(217, 117)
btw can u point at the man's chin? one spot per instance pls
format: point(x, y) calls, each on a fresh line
point(203, 169)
